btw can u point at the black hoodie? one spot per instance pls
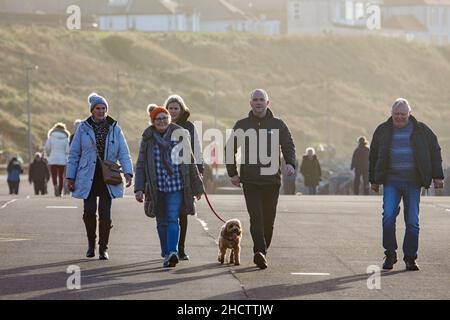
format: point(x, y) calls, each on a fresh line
point(251, 173)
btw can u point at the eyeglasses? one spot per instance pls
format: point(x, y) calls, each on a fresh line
point(260, 99)
point(162, 119)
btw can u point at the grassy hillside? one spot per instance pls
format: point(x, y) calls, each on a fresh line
point(328, 89)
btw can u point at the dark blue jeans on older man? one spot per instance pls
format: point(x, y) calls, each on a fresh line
point(394, 192)
point(167, 223)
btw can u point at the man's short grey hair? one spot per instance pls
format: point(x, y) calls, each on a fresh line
point(310, 149)
point(264, 92)
point(401, 102)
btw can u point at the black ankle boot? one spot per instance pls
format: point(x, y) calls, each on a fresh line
point(411, 264)
point(389, 260)
point(90, 222)
point(104, 229)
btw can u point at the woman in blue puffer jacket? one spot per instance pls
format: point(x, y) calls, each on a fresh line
point(97, 136)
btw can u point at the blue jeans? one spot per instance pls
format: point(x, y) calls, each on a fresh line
point(167, 224)
point(394, 191)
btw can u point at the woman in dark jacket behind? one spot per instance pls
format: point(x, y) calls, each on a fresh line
point(172, 185)
point(38, 174)
point(14, 170)
point(360, 162)
point(180, 114)
point(311, 171)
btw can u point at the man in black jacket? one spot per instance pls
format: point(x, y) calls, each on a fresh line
point(404, 156)
point(260, 137)
point(360, 162)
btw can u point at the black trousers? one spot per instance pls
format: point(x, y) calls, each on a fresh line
point(356, 182)
point(183, 231)
point(40, 187)
point(261, 203)
point(13, 187)
point(104, 205)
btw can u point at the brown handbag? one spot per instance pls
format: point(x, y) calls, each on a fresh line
point(110, 170)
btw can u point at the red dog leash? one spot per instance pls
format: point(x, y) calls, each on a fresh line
point(212, 209)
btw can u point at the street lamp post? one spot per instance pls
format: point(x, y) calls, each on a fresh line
point(28, 69)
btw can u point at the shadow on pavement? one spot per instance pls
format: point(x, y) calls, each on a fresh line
point(286, 291)
point(94, 282)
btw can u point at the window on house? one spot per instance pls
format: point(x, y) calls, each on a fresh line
point(444, 16)
point(434, 16)
point(349, 10)
point(296, 10)
point(359, 11)
point(342, 10)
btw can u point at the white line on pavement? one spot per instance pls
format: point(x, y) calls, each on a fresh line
point(6, 204)
point(61, 207)
point(203, 223)
point(11, 239)
point(309, 274)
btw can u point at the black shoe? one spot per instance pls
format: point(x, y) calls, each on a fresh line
point(183, 256)
point(104, 228)
point(173, 259)
point(260, 260)
point(90, 223)
point(90, 253)
point(411, 264)
point(389, 261)
point(103, 254)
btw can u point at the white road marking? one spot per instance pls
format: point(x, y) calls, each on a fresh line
point(28, 197)
point(6, 204)
point(204, 224)
point(12, 239)
point(61, 207)
point(447, 210)
point(309, 274)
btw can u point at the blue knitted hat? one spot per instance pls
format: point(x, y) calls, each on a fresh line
point(95, 99)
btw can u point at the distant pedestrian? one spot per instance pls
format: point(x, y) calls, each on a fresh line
point(57, 149)
point(404, 156)
point(360, 163)
point(38, 174)
point(76, 124)
point(14, 171)
point(311, 171)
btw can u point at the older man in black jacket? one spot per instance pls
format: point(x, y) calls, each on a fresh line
point(404, 156)
point(260, 137)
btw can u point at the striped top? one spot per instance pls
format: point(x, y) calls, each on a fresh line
point(401, 164)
